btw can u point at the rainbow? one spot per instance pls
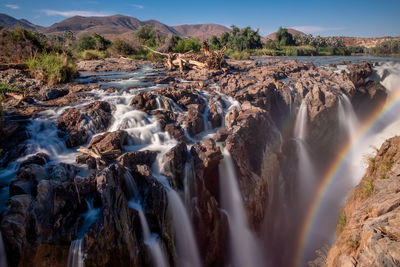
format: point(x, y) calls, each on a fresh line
point(332, 171)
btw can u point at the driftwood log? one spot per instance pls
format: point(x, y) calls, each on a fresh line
point(212, 60)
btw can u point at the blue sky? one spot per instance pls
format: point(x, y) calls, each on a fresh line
point(367, 18)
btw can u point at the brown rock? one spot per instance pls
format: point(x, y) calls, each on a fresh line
point(194, 120)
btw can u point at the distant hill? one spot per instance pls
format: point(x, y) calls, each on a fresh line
point(10, 22)
point(366, 42)
point(115, 26)
point(201, 31)
point(291, 31)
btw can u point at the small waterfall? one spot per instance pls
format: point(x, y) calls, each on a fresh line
point(90, 216)
point(244, 249)
point(347, 117)
point(3, 255)
point(149, 239)
point(131, 186)
point(186, 243)
point(300, 127)
point(75, 256)
point(305, 166)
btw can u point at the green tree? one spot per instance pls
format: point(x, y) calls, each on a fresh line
point(148, 35)
point(283, 37)
point(214, 43)
point(188, 44)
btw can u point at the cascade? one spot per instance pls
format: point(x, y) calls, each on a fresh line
point(150, 240)
point(244, 247)
point(75, 256)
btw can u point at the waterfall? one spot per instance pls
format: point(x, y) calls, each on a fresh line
point(3, 255)
point(187, 248)
point(305, 166)
point(347, 117)
point(149, 239)
point(75, 256)
point(90, 216)
point(131, 186)
point(300, 127)
point(244, 249)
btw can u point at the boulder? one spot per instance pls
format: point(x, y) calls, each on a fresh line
point(194, 120)
point(131, 159)
point(78, 124)
point(52, 93)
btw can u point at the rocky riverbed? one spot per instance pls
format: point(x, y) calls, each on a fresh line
point(145, 146)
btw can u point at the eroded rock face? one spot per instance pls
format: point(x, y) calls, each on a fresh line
point(368, 236)
point(194, 120)
point(43, 206)
point(78, 123)
point(210, 223)
point(254, 144)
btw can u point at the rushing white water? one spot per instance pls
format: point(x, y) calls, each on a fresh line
point(75, 256)
point(300, 127)
point(3, 256)
point(90, 216)
point(347, 117)
point(306, 169)
point(244, 247)
point(188, 254)
point(131, 186)
point(150, 240)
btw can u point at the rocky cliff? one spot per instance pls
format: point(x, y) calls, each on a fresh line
point(369, 226)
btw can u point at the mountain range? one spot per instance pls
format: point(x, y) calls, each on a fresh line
point(116, 25)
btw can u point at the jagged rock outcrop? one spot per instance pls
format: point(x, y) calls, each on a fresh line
point(210, 223)
point(254, 146)
point(78, 123)
point(368, 229)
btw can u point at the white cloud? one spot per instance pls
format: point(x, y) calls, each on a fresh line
point(72, 13)
point(12, 6)
point(315, 29)
point(137, 6)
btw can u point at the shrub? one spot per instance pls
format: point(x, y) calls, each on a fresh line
point(124, 47)
point(341, 223)
point(4, 88)
point(188, 44)
point(93, 41)
point(387, 48)
point(19, 44)
point(148, 35)
point(93, 54)
point(53, 68)
point(367, 188)
point(240, 55)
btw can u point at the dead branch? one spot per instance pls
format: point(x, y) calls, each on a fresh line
point(208, 60)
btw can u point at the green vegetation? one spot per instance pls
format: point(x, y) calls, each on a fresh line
point(4, 88)
point(53, 68)
point(367, 188)
point(239, 55)
point(284, 38)
point(93, 42)
point(187, 44)
point(148, 35)
point(341, 223)
point(387, 48)
point(93, 54)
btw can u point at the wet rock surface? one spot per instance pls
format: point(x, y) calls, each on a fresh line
point(97, 115)
point(47, 200)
